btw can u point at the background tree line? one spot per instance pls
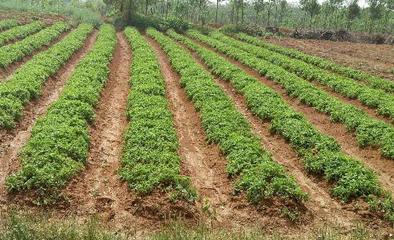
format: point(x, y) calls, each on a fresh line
point(377, 16)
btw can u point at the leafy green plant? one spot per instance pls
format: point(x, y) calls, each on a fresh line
point(320, 154)
point(373, 81)
point(15, 52)
point(369, 131)
point(26, 83)
point(7, 23)
point(150, 152)
point(256, 173)
point(20, 32)
point(374, 98)
point(292, 215)
point(59, 142)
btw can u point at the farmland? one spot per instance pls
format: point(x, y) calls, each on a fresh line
point(139, 128)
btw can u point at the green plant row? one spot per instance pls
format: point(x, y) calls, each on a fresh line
point(267, 104)
point(374, 98)
point(321, 154)
point(15, 52)
point(7, 23)
point(150, 153)
point(26, 83)
point(369, 131)
point(20, 32)
point(257, 174)
point(373, 81)
point(59, 142)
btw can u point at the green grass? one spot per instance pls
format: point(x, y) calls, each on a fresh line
point(29, 227)
point(79, 14)
point(21, 226)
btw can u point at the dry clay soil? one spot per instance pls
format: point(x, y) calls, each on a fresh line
point(376, 59)
point(97, 191)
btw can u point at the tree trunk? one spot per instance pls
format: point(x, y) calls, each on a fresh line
point(146, 7)
point(276, 14)
point(125, 8)
point(232, 12)
point(166, 14)
point(242, 12)
point(236, 12)
point(216, 13)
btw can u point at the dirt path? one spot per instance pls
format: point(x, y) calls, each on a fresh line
point(202, 162)
point(376, 59)
point(371, 157)
point(12, 141)
point(98, 189)
point(5, 73)
point(206, 166)
point(322, 206)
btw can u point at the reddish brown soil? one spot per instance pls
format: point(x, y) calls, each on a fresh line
point(24, 17)
point(5, 73)
point(12, 141)
point(372, 58)
point(321, 206)
point(98, 190)
point(355, 102)
point(371, 157)
point(206, 168)
point(202, 162)
point(46, 24)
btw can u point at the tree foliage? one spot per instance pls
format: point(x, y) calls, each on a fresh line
point(377, 16)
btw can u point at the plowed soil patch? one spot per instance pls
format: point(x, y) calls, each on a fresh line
point(372, 58)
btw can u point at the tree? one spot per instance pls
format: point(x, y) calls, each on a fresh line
point(269, 8)
point(217, 10)
point(126, 7)
point(376, 10)
point(310, 6)
point(353, 11)
point(282, 10)
point(258, 6)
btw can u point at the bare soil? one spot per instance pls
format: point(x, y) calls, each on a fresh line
point(19, 39)
point(355, 102)
point(99, 192)
point(372, 58)
point(202, 162)
point(322, 207)
point(370, 157)
point(205, 164)
point(25, 17)
point(12, 141)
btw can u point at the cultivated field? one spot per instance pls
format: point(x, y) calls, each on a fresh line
point(236, 132)
point(376, 59)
